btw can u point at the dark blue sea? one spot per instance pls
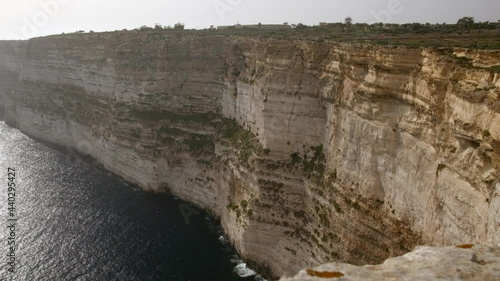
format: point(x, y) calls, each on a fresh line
point(76, 221)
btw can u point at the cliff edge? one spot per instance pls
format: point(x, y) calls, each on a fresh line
point(465, 262)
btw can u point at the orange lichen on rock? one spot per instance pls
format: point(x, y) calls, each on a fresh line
point(324, 274)
point(465, 246)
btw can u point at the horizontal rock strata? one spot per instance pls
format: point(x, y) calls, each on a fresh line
point(308, 151)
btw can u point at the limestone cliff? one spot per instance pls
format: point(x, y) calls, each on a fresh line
point(464, 262)
point(307, 151)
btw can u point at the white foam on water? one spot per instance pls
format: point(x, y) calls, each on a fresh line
point(243, 271)
point(224, 241)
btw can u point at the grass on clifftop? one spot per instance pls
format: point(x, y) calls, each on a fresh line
point(481, 35)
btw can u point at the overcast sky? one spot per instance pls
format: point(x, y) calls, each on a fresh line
point(30, 18)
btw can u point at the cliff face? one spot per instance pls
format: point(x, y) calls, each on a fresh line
point(308, 151)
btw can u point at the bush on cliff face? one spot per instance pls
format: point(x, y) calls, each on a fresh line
point(244, 204)
point(243, 140)
point(200, 144)
point(495, 69)
point(295, 158)
point(317, 161)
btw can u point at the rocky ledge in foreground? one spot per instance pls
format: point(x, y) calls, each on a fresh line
point(464, 262)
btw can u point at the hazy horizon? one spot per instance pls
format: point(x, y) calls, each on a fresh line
point(33, 18)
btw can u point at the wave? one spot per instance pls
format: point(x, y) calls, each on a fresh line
point(243, 271)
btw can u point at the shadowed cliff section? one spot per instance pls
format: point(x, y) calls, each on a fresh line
point(307, 151)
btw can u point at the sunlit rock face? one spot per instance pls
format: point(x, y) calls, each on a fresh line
point(309, 152)
point(479, 263)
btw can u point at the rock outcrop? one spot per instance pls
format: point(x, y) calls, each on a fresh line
point(454, 263)
point(308, 152)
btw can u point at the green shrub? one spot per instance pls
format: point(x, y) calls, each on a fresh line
point(495, 69)
point(337, 207)
point(244, 204)
point(200, 143)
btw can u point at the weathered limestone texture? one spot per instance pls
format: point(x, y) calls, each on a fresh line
point(308, 152)
point(425, 263)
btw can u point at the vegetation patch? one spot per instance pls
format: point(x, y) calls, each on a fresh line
point(294, 252)
point(244, 204)
point(468, 63)
point(299, 214)
point(495, 69)
point(352, 203)
point(243, 140)
point(271, 186)
point(466, 32)
point(324, 220)
point(314, 164)
point(464, 62)
point(200, 143)
point(311, 162)
point(232, 207)
point(337, 207)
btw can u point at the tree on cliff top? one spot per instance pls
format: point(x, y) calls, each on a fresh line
point(348, 21)
point(301, 26)
point(179, 26)
point(466, 22)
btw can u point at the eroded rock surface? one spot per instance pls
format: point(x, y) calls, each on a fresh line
point(480, 263)
point(308, 152)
